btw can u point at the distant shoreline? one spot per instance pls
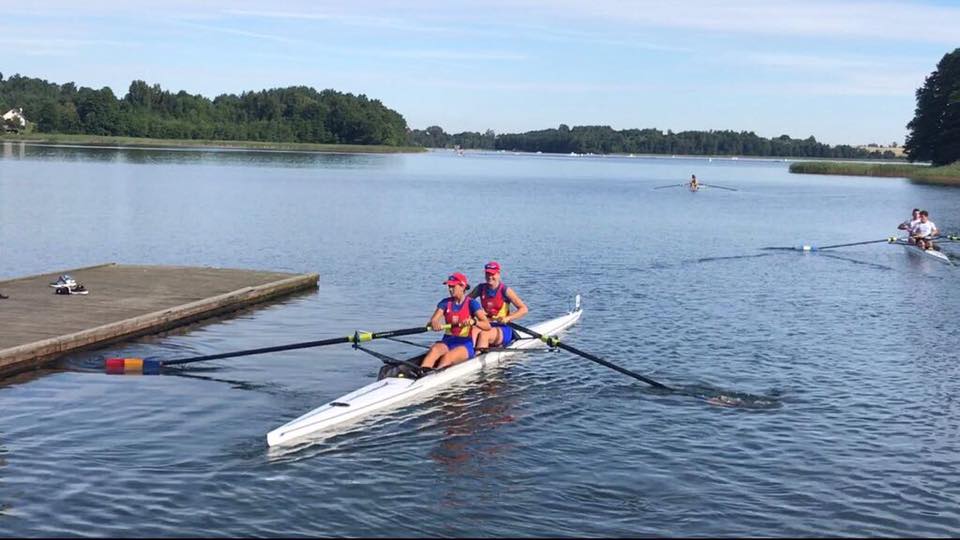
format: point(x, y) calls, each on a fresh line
point(200, 144)
point(948, 175)
point(640, 155)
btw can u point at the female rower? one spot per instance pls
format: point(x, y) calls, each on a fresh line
point(694, 185)
point(496, 299)
point(460, 312)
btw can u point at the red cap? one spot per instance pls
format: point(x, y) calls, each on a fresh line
point(492, 267)
point(457, 278)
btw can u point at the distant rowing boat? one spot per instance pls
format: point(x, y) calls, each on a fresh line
point(932, 253)
point(392, 391)
point(698, 187)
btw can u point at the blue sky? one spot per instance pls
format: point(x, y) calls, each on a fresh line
point(842, 71)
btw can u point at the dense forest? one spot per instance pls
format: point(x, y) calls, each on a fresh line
point(606, 140)
point(294, 114)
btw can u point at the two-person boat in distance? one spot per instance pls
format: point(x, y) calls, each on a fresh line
point(934, 254)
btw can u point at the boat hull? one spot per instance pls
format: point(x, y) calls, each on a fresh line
point(929, 253)
point(392, 391)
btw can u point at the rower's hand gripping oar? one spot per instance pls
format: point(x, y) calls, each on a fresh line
point(554, 341)
point(121, 365)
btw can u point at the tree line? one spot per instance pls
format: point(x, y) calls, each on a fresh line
point(606, 140)
point(933, 134)
point(303, 114)
point(293, 114)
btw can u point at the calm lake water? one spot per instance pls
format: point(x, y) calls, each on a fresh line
point(856, 348)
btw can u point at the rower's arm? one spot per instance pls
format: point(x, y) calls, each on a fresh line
point(436, 322)
point(475, 292)
point(517, 301)
point(481, 317)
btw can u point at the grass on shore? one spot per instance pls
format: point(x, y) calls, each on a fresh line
point(140, 142)
point(946, 175)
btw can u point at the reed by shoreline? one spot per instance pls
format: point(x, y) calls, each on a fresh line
point(948, 175)
point(138, 142)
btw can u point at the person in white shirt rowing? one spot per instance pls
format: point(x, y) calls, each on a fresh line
point(924, 232)
point(910, 223)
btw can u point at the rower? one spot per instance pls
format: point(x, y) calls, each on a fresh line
point(694, 185)
point(910, 223)
point(496, 299)
point(460, 312)
point(924, 232)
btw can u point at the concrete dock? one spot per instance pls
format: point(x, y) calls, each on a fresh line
point(124, 301)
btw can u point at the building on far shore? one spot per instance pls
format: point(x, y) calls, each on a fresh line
point(896, 150)
point(14, 120)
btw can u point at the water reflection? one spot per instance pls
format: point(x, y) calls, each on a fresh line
point(196, 156)
point(4, 505)
point(14, 150)
point(467, 420)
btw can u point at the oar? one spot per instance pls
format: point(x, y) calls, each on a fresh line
point(554, 341)
point(890, 239)
point(720, 187)
point(357, 337)
point(671, 185)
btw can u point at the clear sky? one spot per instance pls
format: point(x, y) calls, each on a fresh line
point(843, 71)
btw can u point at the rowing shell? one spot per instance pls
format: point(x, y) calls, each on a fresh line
point(392, 391)
point(932, 253)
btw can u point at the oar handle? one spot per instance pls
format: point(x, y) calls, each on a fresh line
point(554, 341)
point(360, 337)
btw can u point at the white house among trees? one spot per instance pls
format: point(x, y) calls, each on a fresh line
point(14, 120)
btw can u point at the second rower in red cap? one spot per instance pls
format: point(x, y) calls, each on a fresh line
point(496, 298)
point(461, 312)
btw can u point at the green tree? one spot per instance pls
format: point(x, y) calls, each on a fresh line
point(12, 124)
point(935, 129)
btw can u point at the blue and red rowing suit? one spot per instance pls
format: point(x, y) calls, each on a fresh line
point(496, 304)
point(455, 314)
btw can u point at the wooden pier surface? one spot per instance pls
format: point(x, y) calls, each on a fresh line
point(124, 301)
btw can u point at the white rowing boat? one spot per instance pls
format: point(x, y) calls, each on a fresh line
point(391, 391)
point(932, 253)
